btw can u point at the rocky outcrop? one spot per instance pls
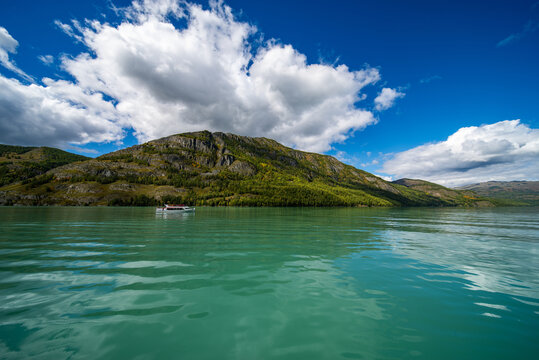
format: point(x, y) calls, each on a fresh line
point(242, 168)
point(225, 160)
point(192, 143)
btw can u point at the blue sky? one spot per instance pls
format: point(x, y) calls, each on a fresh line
point(459, 69)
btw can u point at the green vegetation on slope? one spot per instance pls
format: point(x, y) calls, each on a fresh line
point(18, 163)
point(454, 196)
point(14, 149)
point(217, 169)
point(520, 192)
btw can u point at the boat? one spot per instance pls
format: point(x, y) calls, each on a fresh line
point(175, 209)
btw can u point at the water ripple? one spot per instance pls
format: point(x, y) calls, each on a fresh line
point(269, 283)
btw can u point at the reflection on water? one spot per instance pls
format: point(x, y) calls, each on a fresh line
point(269, 283)
point(495, 250)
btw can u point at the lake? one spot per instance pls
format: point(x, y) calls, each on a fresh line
point(269, 283)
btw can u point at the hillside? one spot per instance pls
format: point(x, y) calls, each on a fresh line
point(526, 192)
point(206, 168)
point(19, 163)
point(452, 196)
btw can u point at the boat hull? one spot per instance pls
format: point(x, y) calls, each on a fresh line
point(174, 211)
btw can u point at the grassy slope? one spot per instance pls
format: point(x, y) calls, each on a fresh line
point(19, 163)
point(524, 192)
point(455, 196)
point(217, 169)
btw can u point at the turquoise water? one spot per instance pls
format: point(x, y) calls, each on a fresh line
point(241, 283)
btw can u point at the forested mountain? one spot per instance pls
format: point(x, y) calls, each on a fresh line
point(205, 168)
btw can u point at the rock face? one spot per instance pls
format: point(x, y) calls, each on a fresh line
point(216, 169)
point(242, 168)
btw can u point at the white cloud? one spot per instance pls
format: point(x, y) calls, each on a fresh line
point(46, 59)
point(506, 150)
point(68, 30)
point(213, 73)
point(205, 76)
point(54, 114)
point(386, 98)
point(9, 45)
point(143, 10)
point(386, 178)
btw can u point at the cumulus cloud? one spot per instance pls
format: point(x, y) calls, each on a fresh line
point(54, 114)
point(504, 151)
point(9, 45)
point(211, 73)
point(386, 98)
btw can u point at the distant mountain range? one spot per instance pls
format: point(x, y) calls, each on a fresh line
point(204, 168)
point(526, 192)
point(440, 191)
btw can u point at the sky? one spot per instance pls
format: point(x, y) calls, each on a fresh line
point(445, 91)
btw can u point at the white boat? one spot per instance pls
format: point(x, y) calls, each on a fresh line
point(175, 209)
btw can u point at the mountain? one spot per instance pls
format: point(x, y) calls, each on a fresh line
point(526, 192)
point(204, 168)
point(452, 196)
point(23, 162)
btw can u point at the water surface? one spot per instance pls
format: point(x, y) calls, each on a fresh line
point(259, 283)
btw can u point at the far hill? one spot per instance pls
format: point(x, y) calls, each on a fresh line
point(23, 162)
point(455, 197)
point(522, 191)
point(204, 168)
